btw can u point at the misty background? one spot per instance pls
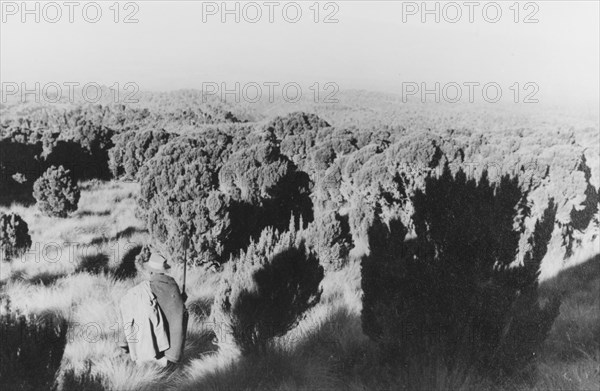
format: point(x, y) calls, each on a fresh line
point(370, 47)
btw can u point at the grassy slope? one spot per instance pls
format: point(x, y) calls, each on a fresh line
point(571, 356)
point(327, 349)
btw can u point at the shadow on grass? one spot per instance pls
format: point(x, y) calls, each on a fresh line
point(307, 360)
point(93, 264)
point(99, 263)
point(45, 278)
point(127, 268)
point(335, 354)
point(18, 275)
point(200, 307)
point(88, 213)
point(199, 343)
point(200, 336)
point(123, 234)
point(575, 334)
point(128, 232)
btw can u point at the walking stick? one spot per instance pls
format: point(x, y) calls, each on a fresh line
point(185, 244)
point(184, 268)
point(186, 314)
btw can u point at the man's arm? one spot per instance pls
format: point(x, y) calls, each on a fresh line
point(177, 292)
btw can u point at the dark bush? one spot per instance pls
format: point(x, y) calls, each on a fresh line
point(462, 287)
point(14, 235)
point(71, 156)
point(267, 290)
point(32, 349)
point(20, 166)
point(56, 192)
point(82, 149)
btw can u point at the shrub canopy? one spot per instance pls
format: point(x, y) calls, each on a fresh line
point(56, 192)
point(133, 148)
point(219, 197)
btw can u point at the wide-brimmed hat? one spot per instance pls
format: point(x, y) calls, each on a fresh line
point(157, 263)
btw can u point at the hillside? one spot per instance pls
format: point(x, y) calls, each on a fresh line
point(362, 245)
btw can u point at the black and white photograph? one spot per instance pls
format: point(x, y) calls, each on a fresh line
point(303, 195)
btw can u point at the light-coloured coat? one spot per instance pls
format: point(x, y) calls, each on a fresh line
point(144, 326)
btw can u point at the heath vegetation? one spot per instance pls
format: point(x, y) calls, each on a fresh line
point(350, 247)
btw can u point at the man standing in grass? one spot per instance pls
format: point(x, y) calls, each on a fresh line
point(171, 305)
point(171, 302)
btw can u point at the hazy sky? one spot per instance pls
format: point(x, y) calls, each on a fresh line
point(371, 47)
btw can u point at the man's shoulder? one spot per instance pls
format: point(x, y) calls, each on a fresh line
point(161, 277)
point(137, 289)
point(136, 293)
point(163, 281)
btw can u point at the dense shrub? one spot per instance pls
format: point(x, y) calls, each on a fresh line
point(199, 188)
point(266, 291)
point(14, 235)
point(264, 189)
point(323, 158)
point(56, 192)
point(79, 137)
point(179, 197)
point(116, 155)
point(296, 123)
point(297, 133)
point(584, 206)
point(75, 139)
point(343, 141)
point(194, 116)
point(94, 138)
point(133, 148)
point(32, 349)
point(327, 194)
point(458, 287)
point(329, 235)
